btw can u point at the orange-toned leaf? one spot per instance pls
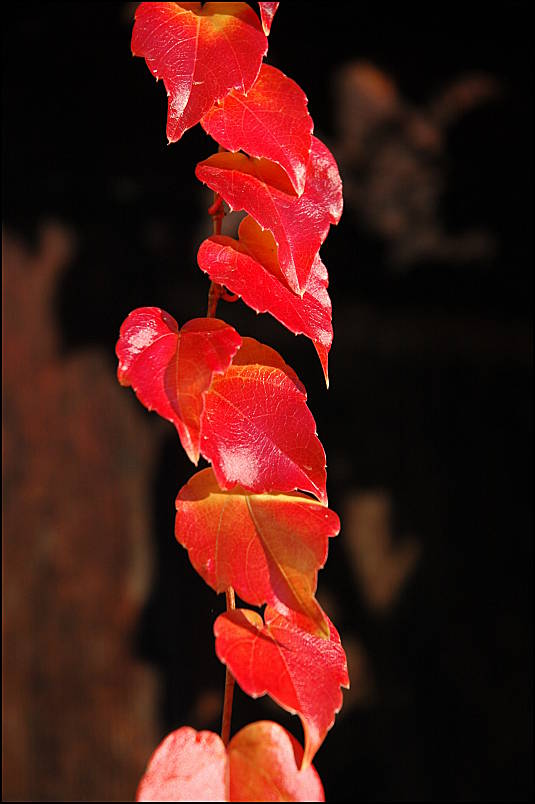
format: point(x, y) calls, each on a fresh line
point(250, 268)
point(201, 51)
point(261, 763)
point(298, 224)
point(264, 762)
point(170, 369)
point(258, 432)
point(253, 352)
point(270, 121)
point(302, 672)
point(269, 547)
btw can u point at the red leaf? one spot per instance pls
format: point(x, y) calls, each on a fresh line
point(170, 369)
point(264, 761)
point(282, 660)
point(253, 352)
point(187, 766)
point(257, 431)
point(267, 12)
point(269, 547)
point(270, 121)
point(250, 269)
point(299, 225)
point(261, 763)
point(201, 51)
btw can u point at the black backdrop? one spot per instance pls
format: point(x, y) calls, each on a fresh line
point(84, 140)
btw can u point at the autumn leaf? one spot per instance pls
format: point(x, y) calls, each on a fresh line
point(261, 763)
point(302, 672)
point(201, 51)
point(264, 761)
point(187, 766)
point(298, 224)
point(250, 268)
point(170, 369)
point(269, 547)
point(267, 12)
point(258, 432)
point(270, 121)
point(253, 352)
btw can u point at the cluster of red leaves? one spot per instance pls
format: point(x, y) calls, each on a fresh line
point(248, 522)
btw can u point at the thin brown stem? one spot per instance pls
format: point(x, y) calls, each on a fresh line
point(229, 682)
point(217, 213)
point(216, 292)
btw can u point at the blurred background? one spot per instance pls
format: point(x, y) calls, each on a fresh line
point(107, 630)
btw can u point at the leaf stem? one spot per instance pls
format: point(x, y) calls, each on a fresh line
point(229, 682)
point(217, 213)
point(216, 292)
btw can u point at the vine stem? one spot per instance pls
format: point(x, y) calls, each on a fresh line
point(229, 682)
point(216, 292)
point(217, 213)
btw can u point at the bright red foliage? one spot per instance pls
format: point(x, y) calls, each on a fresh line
point(234, 422)
point(257, 430)
point(261, 763)
point(270, 121)
point(269, 547)
point(261, 188)
point(170, 369)
point(237, 403)
point(300, 671)
point(250, 268)
point(252, 351)
point(201, 51)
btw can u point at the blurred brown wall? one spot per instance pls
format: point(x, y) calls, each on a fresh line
point(78, 709)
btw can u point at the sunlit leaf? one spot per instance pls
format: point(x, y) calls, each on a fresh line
point(170, 369)
point(188, 765)
point(298, 224)
point(270, 121)
point(258, 432)
point(300, 671)
point(250, 268)
point(269, 547)
point(265, 761)
point(252, 351)
point(261, 763)
point(201, 51)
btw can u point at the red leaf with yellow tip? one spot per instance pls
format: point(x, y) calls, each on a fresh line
point(267, 12)
point(270, 121)
point(261, 763)
point(264, 762)
point(201, 51)
point(250, 268)
point(302, 672)
point(298, 224)
point(269, 547)
point(170, 369)
point(258, 432)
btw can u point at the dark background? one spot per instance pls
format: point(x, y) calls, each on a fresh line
point(431, 382)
